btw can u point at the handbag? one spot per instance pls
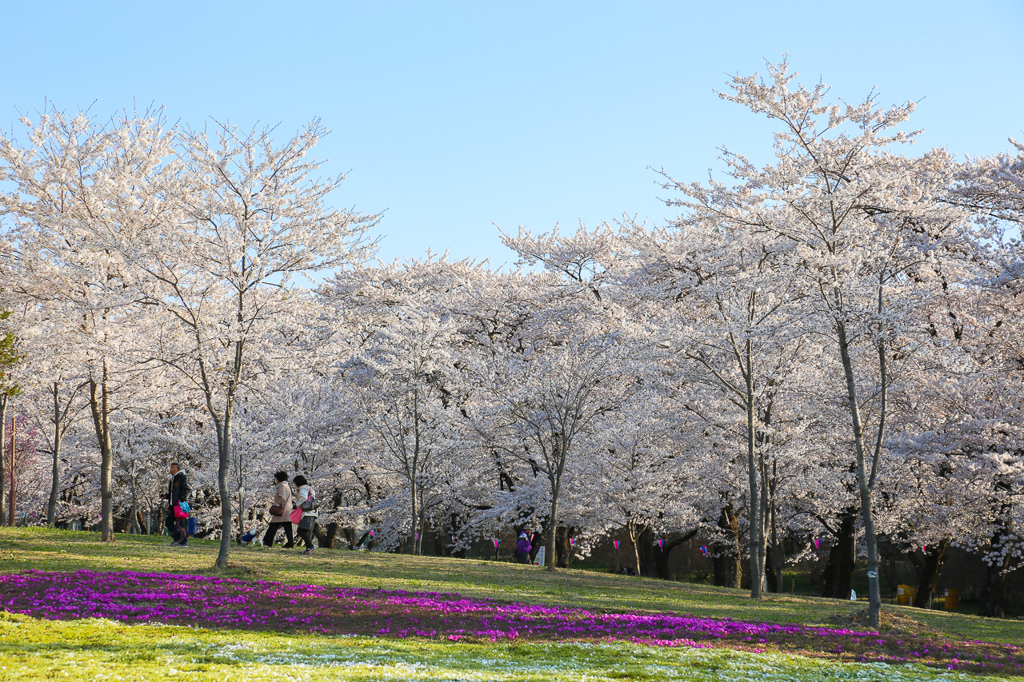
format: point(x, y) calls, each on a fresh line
point(180, 513)
point(295, 516)
point(311, 503)
point(277, 510)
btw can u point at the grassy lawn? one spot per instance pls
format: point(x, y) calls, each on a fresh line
point(98, 649)
point(54, 550)
point(37, 649)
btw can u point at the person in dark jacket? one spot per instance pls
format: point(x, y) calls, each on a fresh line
point(523, 548)
point(177, 491)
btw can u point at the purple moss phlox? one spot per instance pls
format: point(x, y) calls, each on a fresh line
point(214, 602)
point(209, 601)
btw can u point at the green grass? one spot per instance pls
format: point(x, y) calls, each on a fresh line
point(34, 649)
point(54, 550)
point(98, 649)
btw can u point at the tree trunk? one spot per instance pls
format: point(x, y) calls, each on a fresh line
point(634, 538)
point(549, 553)
point(928, 570)
point(58, 434)
point(326, 539)
point(837, 578)
point(661, 558)
point(778, 554)
point(241, 516)
point(99, 404)
point(413, 519)
point(647, 553)
point(755, 536)
point(728, 560)
point(3, 457)
point(993, 591)
point(867, 514)
point(13, 499)
point(564, 548)
point(224, 463)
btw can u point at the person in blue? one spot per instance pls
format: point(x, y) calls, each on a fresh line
point(177, 491)
point(523, 548)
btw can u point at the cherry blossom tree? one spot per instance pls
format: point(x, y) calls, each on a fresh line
point(869, 231)
point(247, 217)
point(76, 182)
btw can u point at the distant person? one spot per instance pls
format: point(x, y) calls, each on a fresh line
point(306, 498)
point(177, 491)
point(523, 548)
point(280, 511)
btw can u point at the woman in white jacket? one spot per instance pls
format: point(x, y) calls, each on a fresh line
point(309, 516)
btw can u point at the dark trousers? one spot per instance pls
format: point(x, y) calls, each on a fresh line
point(268, 539)
point(172, 527)
point(306, 534)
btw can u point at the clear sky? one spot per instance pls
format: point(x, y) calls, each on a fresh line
point(456, 117)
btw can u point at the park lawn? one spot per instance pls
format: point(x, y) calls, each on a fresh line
point(53, 550)
point(32, 649)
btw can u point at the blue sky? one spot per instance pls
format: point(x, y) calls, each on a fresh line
point(456, 117)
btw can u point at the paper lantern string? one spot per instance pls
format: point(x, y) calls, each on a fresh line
point(572, 542)
point(661, 544)
point(496, 541)
point(616, 543)
point(704, 550)
point(817, 543)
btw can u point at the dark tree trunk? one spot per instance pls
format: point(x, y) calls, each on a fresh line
point(99, 403)
point(837, 578)
point(563, 547)
point(661, 558)
point(3, 457)
point(330, 537)
point(927, 568)
point(993, 592)
point(772, 577)
point(728, 560)
point(778, 552)
point(349, 533)
point(536, 540)
point(647, 551)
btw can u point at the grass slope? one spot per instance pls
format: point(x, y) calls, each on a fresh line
point(52, 550)
point(97, 649)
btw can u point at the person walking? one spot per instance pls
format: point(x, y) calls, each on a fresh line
point(177, 491)
point(306, 498)
point(523, 548)
point(280, 511)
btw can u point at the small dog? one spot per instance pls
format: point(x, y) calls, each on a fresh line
point(251, 538)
